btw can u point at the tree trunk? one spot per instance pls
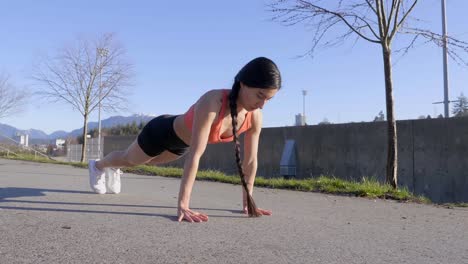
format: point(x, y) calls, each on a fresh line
point(85, 139)
point(392, 155)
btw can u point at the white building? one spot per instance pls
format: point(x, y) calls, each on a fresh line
point(300, 120)
point(59, 143)
point(22, 139)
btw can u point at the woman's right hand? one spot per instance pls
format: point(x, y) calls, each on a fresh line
point(190, 216)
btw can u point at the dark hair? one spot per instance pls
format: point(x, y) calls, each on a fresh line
point(263, 73)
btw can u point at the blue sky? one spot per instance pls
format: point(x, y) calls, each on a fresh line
point(180, 49)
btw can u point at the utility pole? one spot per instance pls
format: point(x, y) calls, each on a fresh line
point(446, 84)
point(446, 101)
point(102, 53)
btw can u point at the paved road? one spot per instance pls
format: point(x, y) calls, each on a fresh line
point(48, 215)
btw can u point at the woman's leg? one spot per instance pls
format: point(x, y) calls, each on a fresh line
point(133, 156)
point(162, 158)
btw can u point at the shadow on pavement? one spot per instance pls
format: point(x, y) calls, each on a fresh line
point(15, 192)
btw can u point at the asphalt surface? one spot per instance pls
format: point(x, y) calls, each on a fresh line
point(49, 215)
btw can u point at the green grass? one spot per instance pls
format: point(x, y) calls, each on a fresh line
point(38, 158)
point(370, 188)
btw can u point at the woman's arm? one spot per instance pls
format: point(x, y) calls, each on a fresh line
point(251, 139)
point(249, 164)
point(205, 114)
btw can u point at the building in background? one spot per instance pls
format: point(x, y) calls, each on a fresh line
point(300, 120)
point(22, 139)
point(59, 143)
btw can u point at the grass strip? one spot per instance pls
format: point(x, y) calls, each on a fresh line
point(367, 187)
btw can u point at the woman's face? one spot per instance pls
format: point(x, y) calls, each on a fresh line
point(252, 98)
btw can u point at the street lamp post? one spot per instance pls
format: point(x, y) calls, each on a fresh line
point(304, 93)
point(102, 53)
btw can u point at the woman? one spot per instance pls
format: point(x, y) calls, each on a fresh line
point(218, 116)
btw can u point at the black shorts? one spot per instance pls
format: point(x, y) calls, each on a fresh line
point(159, 135)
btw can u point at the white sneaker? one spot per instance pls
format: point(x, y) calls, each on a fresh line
point(113, 180)
point(97, 179)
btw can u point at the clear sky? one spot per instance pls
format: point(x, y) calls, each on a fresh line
point(180, 49)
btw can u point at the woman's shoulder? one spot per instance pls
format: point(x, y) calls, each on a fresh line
point(216, 93)
point(256, 119)
point(213, 97)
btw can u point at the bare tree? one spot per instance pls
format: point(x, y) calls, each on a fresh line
point(12, 100)
point(90, 73)
point(376, 21)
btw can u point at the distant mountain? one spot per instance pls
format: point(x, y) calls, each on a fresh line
point(113, 121)
point(7, 130)
point(39, 135)
point(10, 131)
point(58, 134)
point(34, 133)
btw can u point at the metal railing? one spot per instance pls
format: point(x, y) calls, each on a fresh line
point(16, 143)
point(8, 151)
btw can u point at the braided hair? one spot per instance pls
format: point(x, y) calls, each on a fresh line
point(259, 73)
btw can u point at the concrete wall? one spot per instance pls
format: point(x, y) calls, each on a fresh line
point(432, 154)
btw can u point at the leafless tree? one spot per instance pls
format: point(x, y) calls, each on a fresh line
point(376, 21)
point(12, 100)
point(92, 72)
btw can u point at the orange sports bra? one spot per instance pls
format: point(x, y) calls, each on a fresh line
point(215, 133)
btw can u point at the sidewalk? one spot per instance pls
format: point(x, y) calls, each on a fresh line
point(48, 215)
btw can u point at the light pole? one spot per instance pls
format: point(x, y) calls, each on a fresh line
point(102, 53)
point(304, 93)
